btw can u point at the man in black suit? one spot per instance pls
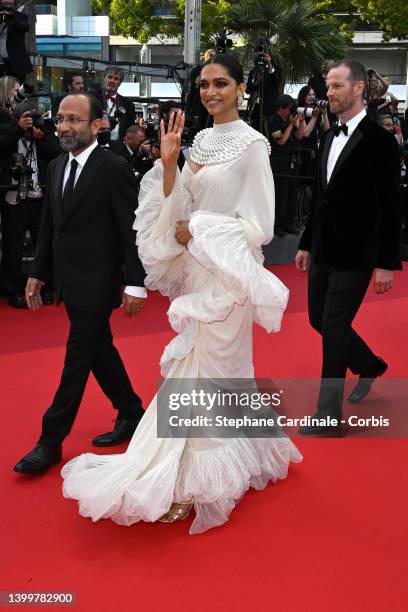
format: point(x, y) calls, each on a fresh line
point(14, 59)
point(121, 112)
point(87, 228)
point(352, 234)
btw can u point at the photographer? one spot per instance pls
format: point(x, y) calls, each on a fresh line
point(264, 82)
point(121, 112)
point(138, 150)
point(285, 129)
point(30, 146)
point(14, 59)
point(74, 81)
point(317, 121)
point(387, 122)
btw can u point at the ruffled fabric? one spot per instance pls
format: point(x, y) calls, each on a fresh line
point(160, 253)
point(217, 478)
point(117, 487)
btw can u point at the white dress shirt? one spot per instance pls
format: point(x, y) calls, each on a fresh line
point(340, 141)
point(111, 107)
point(81, 159)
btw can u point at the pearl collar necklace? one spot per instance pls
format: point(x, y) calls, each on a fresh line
point(224, 142)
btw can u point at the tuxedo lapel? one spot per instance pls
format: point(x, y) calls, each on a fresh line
point(351, 144)
point(57, 190)
point(325, 156)
point(85, 179)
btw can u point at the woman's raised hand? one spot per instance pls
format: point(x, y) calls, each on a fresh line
point(170, 140)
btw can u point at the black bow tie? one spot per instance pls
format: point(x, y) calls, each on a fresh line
point(339, 128)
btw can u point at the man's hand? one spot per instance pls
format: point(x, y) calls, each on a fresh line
point(25, 121)
point(302, 261)
point(132, 305)
point(382, 280)
point(183, 234)
point(33, 293)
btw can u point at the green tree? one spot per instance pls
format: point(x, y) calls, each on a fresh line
point(138, 18)
point(300, 36)
point(391, 16)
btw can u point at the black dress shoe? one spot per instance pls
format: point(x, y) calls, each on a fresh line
point(17, 300)
point(47, 296)
point(123, 430)
point(323, 424)
point(39, 460)
point(363, 387)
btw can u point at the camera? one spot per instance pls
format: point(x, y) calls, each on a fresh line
point(222, 43)
point(323, 104)
point(21, 94)
point(308, 111)
point(22, 173)
point(261, 48)
point(38, 120)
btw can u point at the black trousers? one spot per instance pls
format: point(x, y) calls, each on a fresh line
point(286, 192)
point(16, 219)
point(334, 298)
point(89, 349)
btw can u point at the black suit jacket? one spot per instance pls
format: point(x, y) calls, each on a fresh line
point(124, 109)
point(17, 26)
point(356, 217)
point(92, 240)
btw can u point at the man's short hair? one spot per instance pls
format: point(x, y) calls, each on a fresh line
point(382, 117)
point(327, 65)
point(115, 70)
point(95, 107)
point(164, 107)
point(133, 129)
point(357, 71)
point(70, 77)
point(285, 101)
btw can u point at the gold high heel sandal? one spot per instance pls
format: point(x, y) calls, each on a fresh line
point(177, 512)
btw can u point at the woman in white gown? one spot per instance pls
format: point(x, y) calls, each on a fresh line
point(199, 236)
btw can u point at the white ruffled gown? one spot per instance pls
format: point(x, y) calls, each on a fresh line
point(218, 287)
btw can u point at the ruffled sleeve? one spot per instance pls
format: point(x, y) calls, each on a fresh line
point(231, 246)
point(155, 223)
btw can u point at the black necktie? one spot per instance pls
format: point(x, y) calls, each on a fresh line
point(339, 128)
point(69, 187)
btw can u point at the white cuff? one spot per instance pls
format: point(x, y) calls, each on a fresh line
point(139, 292)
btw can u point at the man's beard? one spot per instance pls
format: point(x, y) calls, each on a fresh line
point(76, 141)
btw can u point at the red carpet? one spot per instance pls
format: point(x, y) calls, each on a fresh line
point(332, 537)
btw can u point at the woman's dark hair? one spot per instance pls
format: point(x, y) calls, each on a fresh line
point(303, 93)
point(232, 66)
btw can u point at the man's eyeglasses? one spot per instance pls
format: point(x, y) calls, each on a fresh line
point(58, 120)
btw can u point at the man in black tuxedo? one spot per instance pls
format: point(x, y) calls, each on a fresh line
point(87, 228)
point(121, 112)
point(352, 234)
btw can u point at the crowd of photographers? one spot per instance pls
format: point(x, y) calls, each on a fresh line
point(294, 128)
